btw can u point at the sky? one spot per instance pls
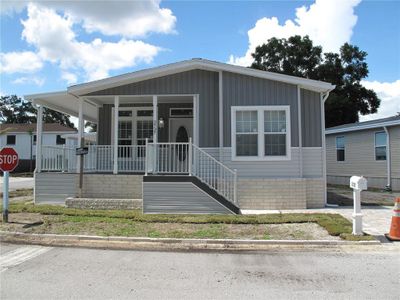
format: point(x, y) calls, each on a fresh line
point(49, 45)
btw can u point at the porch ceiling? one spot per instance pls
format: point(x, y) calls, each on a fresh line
point(65, 103)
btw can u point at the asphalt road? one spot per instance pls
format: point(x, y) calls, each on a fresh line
point(34, 272)
point(17, 183)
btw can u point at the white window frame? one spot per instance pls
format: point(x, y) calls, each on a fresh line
point(344, 148)
point(132, 118)
point(375, 146)
point(261, 143)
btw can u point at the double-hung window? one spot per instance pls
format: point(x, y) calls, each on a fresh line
point(260, 132)
point(380, 145)
point(340, 148)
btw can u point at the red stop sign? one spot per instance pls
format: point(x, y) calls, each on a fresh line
point(8, 159)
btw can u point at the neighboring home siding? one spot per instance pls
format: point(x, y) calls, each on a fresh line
point(23, 143)
point(311, 118)
point(360, 154)
point(204, 83)
point(242, 90)
point(394, 133)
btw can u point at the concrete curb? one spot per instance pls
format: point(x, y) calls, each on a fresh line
point(134, 243)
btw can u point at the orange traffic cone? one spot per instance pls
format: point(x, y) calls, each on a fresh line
point(394, 233)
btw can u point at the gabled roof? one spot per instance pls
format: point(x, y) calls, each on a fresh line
point(195, 63)
point(391, 121)
point(25, 128)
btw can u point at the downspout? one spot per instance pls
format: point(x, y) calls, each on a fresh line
point(324, 96)
point(388, 160)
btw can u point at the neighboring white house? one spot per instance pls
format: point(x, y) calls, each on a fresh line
point(371, 149)
point(22, 137)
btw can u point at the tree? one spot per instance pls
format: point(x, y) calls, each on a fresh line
point(16, 110)
point(298, 56)
point(92, 126)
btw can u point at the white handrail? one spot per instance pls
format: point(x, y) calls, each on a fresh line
point(188, 159)
point(215, 174)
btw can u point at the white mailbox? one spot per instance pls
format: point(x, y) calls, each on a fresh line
point(358, 183)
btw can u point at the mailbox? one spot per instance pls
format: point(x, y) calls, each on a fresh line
point(358, 183)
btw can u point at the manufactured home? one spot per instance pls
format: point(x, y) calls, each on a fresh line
point(370, 148)
point(195, 136)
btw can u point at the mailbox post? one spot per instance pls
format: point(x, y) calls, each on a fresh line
point(358, 184)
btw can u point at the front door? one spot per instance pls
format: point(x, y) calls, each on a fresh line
point(180, 130)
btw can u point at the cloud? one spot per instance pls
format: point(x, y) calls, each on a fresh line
point(20, 62)
point(53, 37)
point(329, 23)
point(29, 80)
point(389, 93)
point(129, 18)
point(70, 78)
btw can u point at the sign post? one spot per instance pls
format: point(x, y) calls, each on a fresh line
point(81, 152)
point(8, 162)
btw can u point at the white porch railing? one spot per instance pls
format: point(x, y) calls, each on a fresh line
point(100, 158)
point(58, 158)
point(188, 159)
point(152, 158)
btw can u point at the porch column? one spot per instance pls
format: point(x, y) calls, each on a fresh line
point(116, 116)
point(155, 119)
point(81, 132)
point(39, 130)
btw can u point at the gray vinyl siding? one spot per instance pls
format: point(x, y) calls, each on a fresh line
point(104, 125)
point(312, 164)
point(178, 197)
point(204, 83)
point(53, 188)
point(242, 90)
point(311, 118)
point(360, 156)
point(163, 112)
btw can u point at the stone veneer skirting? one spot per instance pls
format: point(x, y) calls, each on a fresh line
point(281, 193)
point(101, 203)
point(112, 186)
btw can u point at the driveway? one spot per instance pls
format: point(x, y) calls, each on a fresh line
point(17, 183)
point(34, 272)
point(376, 219)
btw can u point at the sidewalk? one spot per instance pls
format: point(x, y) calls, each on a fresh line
point(376, 219)
point(17, 183)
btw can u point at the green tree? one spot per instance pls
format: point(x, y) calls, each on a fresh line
point(298, 56)
point(16, 110)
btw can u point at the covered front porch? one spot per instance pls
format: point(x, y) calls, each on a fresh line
point(124, 125)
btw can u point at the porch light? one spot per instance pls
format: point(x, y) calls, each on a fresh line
point(161, 123)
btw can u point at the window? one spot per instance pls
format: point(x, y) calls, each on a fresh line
point(340, 149)
point(135, 124)
point(246, 133)
point(380, 145)
point(11, 139)
point(260, 133)
point(60, 140)
point(181, 112)
point(34, 139)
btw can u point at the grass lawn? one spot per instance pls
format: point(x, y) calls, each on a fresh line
point(57, 219)
point(19, 193)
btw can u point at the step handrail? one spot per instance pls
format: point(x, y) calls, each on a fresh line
point(225, 184)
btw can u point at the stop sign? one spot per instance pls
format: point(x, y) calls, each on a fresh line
point(8, 159)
